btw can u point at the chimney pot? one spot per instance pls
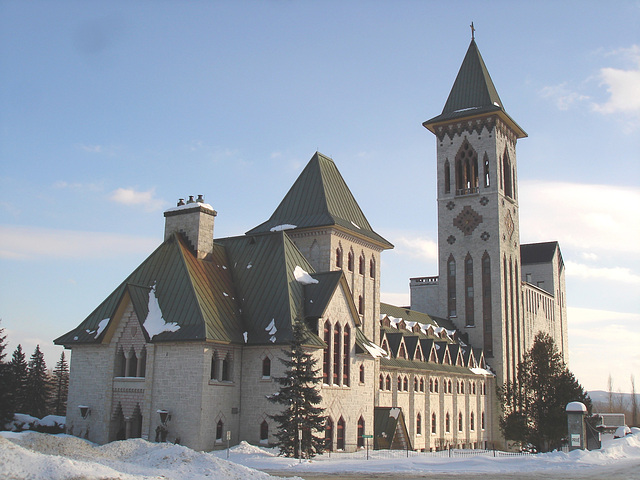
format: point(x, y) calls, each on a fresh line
point(180, 202)
point(200, 199)
point(191, 199)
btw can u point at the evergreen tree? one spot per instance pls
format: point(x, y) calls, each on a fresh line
point(534, 405)
point(19, 371)
point(300, 396)
point(38, 387)
point(7, 400)
point(60, 382)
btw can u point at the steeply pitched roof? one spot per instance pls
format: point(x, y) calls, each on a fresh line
point(269, 296)
point(473, 93)
point(320, 197)
point(196, 295)
point(537, 252)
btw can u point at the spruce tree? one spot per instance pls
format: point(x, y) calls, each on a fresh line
point(7, 399)
point(19, 370)
point(38, 385)
point(300, 396)
point(60, 382)
point(534, 405)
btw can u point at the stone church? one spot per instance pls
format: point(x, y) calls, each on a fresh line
point(186, 348)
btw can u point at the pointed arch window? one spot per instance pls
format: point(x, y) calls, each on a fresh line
point(328, 434)
point(466, 170)
point(326, 359)
point(346, 357)
point(266, 367)
point(219, 430)
point(336, 353)
point(447, 177)
point(360, 305)
point(451, 286)
point(372, 268)
point(339, 257)
point(226, 368)
point(472, 422)
point(468, 283)
point(482, 420)
point(487, 180)
point(388, 383)
point(434, 423)
point(215, 362)
point(264, 431)
point(381, 382)
point(340, 434)
point(350, 261)
point(460, 421)
point(435, 385)
point(418, 424)
point(506, 174)
point(361, 265)
point(447, 423)
point(487, 326)
point(361, 432)
point(132, 365)
point(415, 384)
point(361, 373)
point(405, 384)
point(422, 384)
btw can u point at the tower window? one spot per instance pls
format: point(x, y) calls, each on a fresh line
point(468, 280)
point(447, 177)
point(451, 286)
point(433, 423)
point(339, 257)
point(466, 170)
point(350, 261)
point(361, 266)
point(372, 268)
point(487, 181)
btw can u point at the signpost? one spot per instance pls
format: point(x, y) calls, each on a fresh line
point(228, 440)
point(367, 437)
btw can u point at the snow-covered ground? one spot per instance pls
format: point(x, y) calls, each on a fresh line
point(30, 455)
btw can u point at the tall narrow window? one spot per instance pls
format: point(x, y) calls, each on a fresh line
point(447, 177)
point(226, 369)
point(486, 305)
point(466, 170)
point(435, 385)
point(328, 434)
point(482, 420)
point(472, 422)
point(418, 424)
point(360, 305)
point(433, 423)
point(451, 286)
point(132, 366)
point(264, 431)
point(361, 265)
point(460, 421)
point(340, 435)
point(431, 385)
point(372, 268)
point(121, 363)
point(214, 367)
point(361, 432)
point(326, 359)
point(487, 180)
point(447, 423)
point(361, 373)
point(339, 257)
point(219, 430)
point(405, 384)
point(415, 384)
point(468, 283)
point(346, 358)
point(266, 367)
point(336, 353)
point(387, 382)
point(381, 382)
point(350, 261)
point(506, 173)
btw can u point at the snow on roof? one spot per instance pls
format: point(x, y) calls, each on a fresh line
point(303, 277)
point(394, 412)
point(481, 371)
point(394, 321)
point(285, 226)
point(188, 206)
point(155, 324)
point(375, 350)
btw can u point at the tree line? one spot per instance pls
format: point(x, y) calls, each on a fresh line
point(28, 387)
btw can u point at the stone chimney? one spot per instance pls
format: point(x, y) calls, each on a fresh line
point(193, 219)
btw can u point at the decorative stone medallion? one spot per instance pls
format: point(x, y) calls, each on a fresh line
point(485, 236)
point(467, 220)
point(508, 224)
point(484, 201)
point(451, 205)
point(451, 240)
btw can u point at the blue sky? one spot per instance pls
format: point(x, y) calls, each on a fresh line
point(111, 111)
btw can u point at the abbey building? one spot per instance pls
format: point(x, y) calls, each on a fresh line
point(186, 348)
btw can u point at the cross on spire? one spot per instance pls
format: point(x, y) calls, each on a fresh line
point(473, 31)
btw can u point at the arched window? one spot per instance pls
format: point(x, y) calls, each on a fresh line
point(266, 367)
point(472, 423)
point(435, 385)
point(487, 180)
point(405, 384)
point(486, 305)
point(415, 384)
point(346, 357)
point(450, 386)
point(381, 382)
point(142, 363)
point(466, 169)
point(326, 359)
point(350, 261)
point(422, 384)
point(360, 305)
point(336, 353)
point(431, 385)
point(361, 265)
point(473, 389)
point(433, 423)
point(468, 283)
point(506, 173)
point(451, 286)
point(388, 382)
point(402, 353)
point(460, 421)
point(447, 423)
point(457, 387)
point(340, 435)
point(226, 368)
point(361, 373)
point(339, 257)
point(361, 432)
point(462, 387)
point(264, 431)
point(418, 424)
point(132, 366)
point(219, 430)
point(447, 177)
point(121, 363)
point(214, 367)
point(328, 434)
point(372, 268)
point(482, 420)
point(399, 383)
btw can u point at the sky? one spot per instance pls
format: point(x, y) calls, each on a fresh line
point(111, 111)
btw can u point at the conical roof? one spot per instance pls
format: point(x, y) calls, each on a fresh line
point(473, 93)
point(320, 197)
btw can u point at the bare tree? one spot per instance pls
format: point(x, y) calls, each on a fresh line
point(610, 391)
point(634, 403)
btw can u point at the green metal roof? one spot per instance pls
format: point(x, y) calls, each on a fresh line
point(320, 197)
point(386, 422)
point(262, 268)
point(198, 295)
point(473, 93)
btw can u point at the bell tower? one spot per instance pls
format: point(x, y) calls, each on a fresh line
point(478, 287)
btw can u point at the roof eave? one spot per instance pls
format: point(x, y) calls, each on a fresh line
point(433, 123)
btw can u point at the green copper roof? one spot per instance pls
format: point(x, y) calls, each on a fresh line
point(320, 197)
point(197, 295)
point(473, 93)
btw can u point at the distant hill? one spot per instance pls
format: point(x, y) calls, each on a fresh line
point(620, 403)
point(600, 396)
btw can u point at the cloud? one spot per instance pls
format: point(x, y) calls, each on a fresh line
point(623, 85)
point(30, 243)
point(416, 247)
point(130, 196)
point(401, 299)
point(592, 215)
point(86, 187)
point(562, 96)
point(610, 274)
